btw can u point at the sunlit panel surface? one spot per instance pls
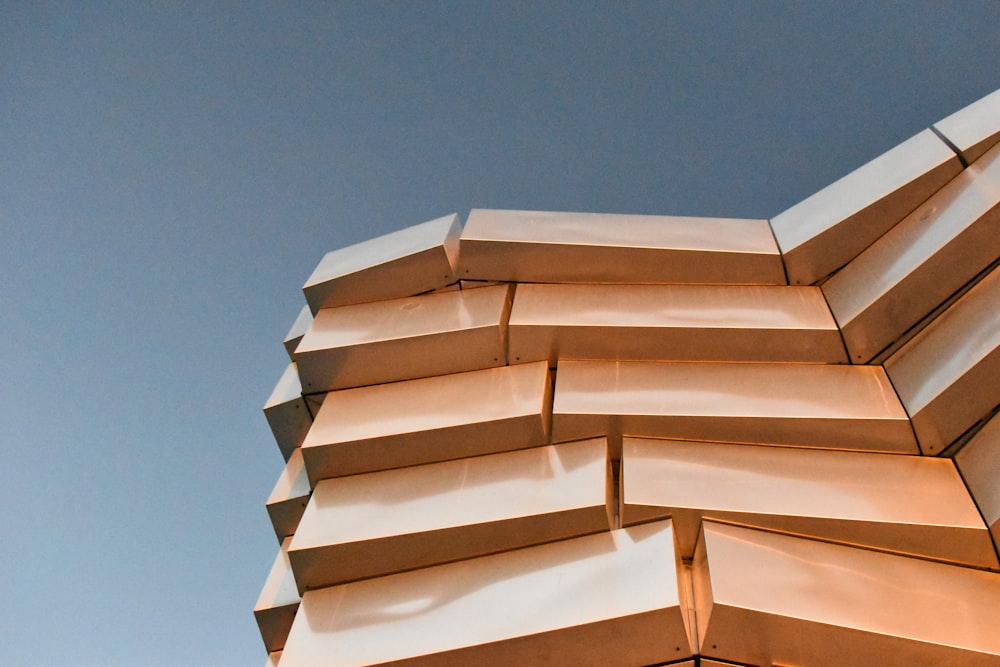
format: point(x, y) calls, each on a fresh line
point(278, 602)
point(769, 599)
point(979, 462)
point(411, 261)
point(404, 339)
point(805, 405)
point(909, 504)
point(289, 497)
point(920, 262)
point(605, 599)
point(473, 415)
point(974, 129)
point(547, 247)
point(825, 231)
point(298, 330)
point(948, 376)
point(428, 420)
point(384, 522)
point(287, 413)
point(673, 322)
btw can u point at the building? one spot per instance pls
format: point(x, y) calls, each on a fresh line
point(560, 438)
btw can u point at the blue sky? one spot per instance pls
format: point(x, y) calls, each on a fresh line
point(172, 172)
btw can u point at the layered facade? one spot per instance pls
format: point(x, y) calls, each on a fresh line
point(594, 439)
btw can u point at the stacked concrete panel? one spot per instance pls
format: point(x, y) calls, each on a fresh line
point(592, 439)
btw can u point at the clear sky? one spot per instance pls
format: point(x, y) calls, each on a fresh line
point(170, 174)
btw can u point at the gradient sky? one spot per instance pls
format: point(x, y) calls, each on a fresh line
point(170, 174)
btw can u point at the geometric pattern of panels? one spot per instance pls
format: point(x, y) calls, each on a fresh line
point(599, 439)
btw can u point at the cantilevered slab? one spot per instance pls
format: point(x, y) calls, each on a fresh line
point(948, 375)
point(920, 262)
point(979, 462)
point(803, 405)
point(604, 599)
point(278, 602)
point(411, 261)
point(974, 129)
point(673, 322)
point(298, 330)
point(386, 522)
point(547, 247)
point(286, 412)
point(827, 230)
point(289, 497)
point(433, 419)
point(913, 505)
point(404, 339)
point(769, 599)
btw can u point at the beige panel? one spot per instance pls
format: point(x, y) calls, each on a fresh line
point(298, 330)
point(286, 412)
point(289, 497)
point(548, 247)
point(278, 602)
point(979, 462)
point(920, 262)
point(806, 405)
point(825, 231)
point(909, 504)
point(947, 375)
point(314, 402)
point(411, 261)
point(473, 284)
point(384, 522)
point(273, 659)
point(404, 339)
point(974, 129)
point(818, 604)
point(604, 599)
point(429, 420)
point(673, 322)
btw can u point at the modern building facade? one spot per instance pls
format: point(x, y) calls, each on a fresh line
point(589, 439)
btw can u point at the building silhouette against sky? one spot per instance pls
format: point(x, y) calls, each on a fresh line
point(578, 438)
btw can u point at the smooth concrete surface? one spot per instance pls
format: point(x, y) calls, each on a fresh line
point(830, 228)
point(433, 419)
point(605, 599)
point(947, 375)
point(770, 599)
point(913, 505)
point(385, 522)
point(803, 405)
point(551, 247)
point(410, 261)
point(673, 322)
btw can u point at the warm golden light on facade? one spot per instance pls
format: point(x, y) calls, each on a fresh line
point(593, 439)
